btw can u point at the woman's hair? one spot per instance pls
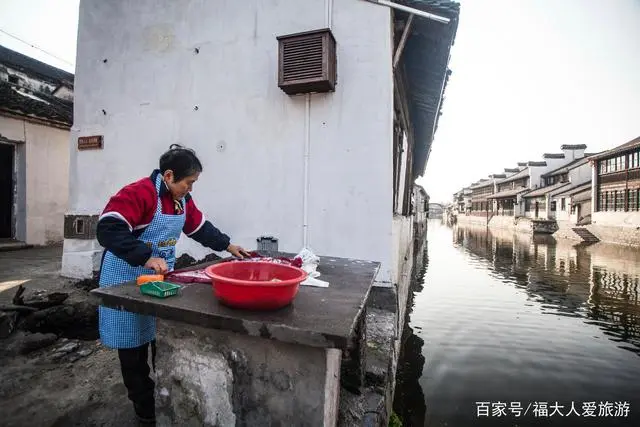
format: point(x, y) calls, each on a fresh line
point(181, 160)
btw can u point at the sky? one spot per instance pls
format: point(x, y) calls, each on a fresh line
point(528, 76)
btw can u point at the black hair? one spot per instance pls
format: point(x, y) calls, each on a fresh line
point(181, 160)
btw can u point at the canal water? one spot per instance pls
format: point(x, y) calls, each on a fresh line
point(513, 330)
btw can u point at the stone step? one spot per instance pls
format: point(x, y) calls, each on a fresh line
point(13, 245)
point(585, 235)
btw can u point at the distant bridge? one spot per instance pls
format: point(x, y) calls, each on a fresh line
point(435, 210)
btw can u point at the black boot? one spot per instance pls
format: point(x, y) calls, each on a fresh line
point(140, 387)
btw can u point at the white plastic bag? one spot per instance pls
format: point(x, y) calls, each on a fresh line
point(310, 262)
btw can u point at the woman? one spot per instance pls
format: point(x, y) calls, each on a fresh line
point(139, 229)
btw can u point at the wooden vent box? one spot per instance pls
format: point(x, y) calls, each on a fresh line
point(307, 62)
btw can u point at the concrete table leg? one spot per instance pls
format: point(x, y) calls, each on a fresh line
point(208, 377)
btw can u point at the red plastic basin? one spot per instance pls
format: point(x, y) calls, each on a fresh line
point(250, 285)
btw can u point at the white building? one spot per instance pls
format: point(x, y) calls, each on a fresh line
point(331, 170)
point(525, 193)
point(570, 201)
point(36, 108)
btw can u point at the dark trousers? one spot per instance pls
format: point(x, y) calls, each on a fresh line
point(135, 374)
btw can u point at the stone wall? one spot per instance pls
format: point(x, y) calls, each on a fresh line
point(629, 236)
point(472, 219)
point(386, 310)
point(218, 378)
point(500, 221)
point(565, 231)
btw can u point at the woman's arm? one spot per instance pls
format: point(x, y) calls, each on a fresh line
point(132, 208)
point(114, 235)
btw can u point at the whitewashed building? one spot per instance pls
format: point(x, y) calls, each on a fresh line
point(332, 170)
point(36, 108)
point(570, 202)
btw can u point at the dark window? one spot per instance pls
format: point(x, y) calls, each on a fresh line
point(553, 206)
point(14, 79)
point(619, 200)
point(610, 200)
point(563, 205)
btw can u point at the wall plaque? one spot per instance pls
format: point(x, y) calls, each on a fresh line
point(90, 142)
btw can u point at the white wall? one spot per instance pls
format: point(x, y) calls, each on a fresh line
point(249, 135)
point(562, 215)
point(42, 171)
point(617, 219)
point(580, 174)
point(47, 183)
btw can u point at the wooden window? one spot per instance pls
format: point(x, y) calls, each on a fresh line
point(619, 201)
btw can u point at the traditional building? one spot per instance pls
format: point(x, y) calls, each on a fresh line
point(462, 201)
point(505, 198)
point(36, 109)
point(525, 192)
point(616, 186)
point(481, 191)
point(572, 182)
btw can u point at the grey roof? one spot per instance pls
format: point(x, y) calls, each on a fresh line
point(581, 196)
point(566, 192)
point(570, 188)
point(545, 190)
point(508, 193)
point(566, 168)
point(425, 65)
point(524, 173)
point(17, 101)
point(481, 184)
point(536, 163)
point(634, 143)
point(573, 147)
point(34, 67)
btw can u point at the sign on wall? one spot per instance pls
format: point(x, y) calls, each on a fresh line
point(95, 142)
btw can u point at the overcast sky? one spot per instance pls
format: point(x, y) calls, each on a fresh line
point(528, 76)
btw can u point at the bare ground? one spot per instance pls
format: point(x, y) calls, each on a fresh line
point(71, 381)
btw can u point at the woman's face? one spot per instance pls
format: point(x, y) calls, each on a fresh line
point(180, 188)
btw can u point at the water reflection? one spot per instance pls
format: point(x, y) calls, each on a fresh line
point(409, 401)
point(599, 283)
point(518, 319)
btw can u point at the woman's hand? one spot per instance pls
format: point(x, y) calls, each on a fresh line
point(238, 251)
point(159, 265)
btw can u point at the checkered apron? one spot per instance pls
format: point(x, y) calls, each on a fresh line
point(122, 329)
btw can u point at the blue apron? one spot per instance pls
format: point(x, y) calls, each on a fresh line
point(122, 329)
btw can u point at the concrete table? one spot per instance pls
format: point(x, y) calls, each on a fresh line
point(218, 366)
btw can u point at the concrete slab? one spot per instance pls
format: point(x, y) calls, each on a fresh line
point(318, 317)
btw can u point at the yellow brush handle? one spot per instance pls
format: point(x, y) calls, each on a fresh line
point(145, 278)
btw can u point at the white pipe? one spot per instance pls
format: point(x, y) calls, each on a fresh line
point(307, 151)
point(328, 12)
point(412, 10)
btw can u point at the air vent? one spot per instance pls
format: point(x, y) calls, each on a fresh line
point(307, 62)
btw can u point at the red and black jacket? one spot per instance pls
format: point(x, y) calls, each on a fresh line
point(130, 211)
